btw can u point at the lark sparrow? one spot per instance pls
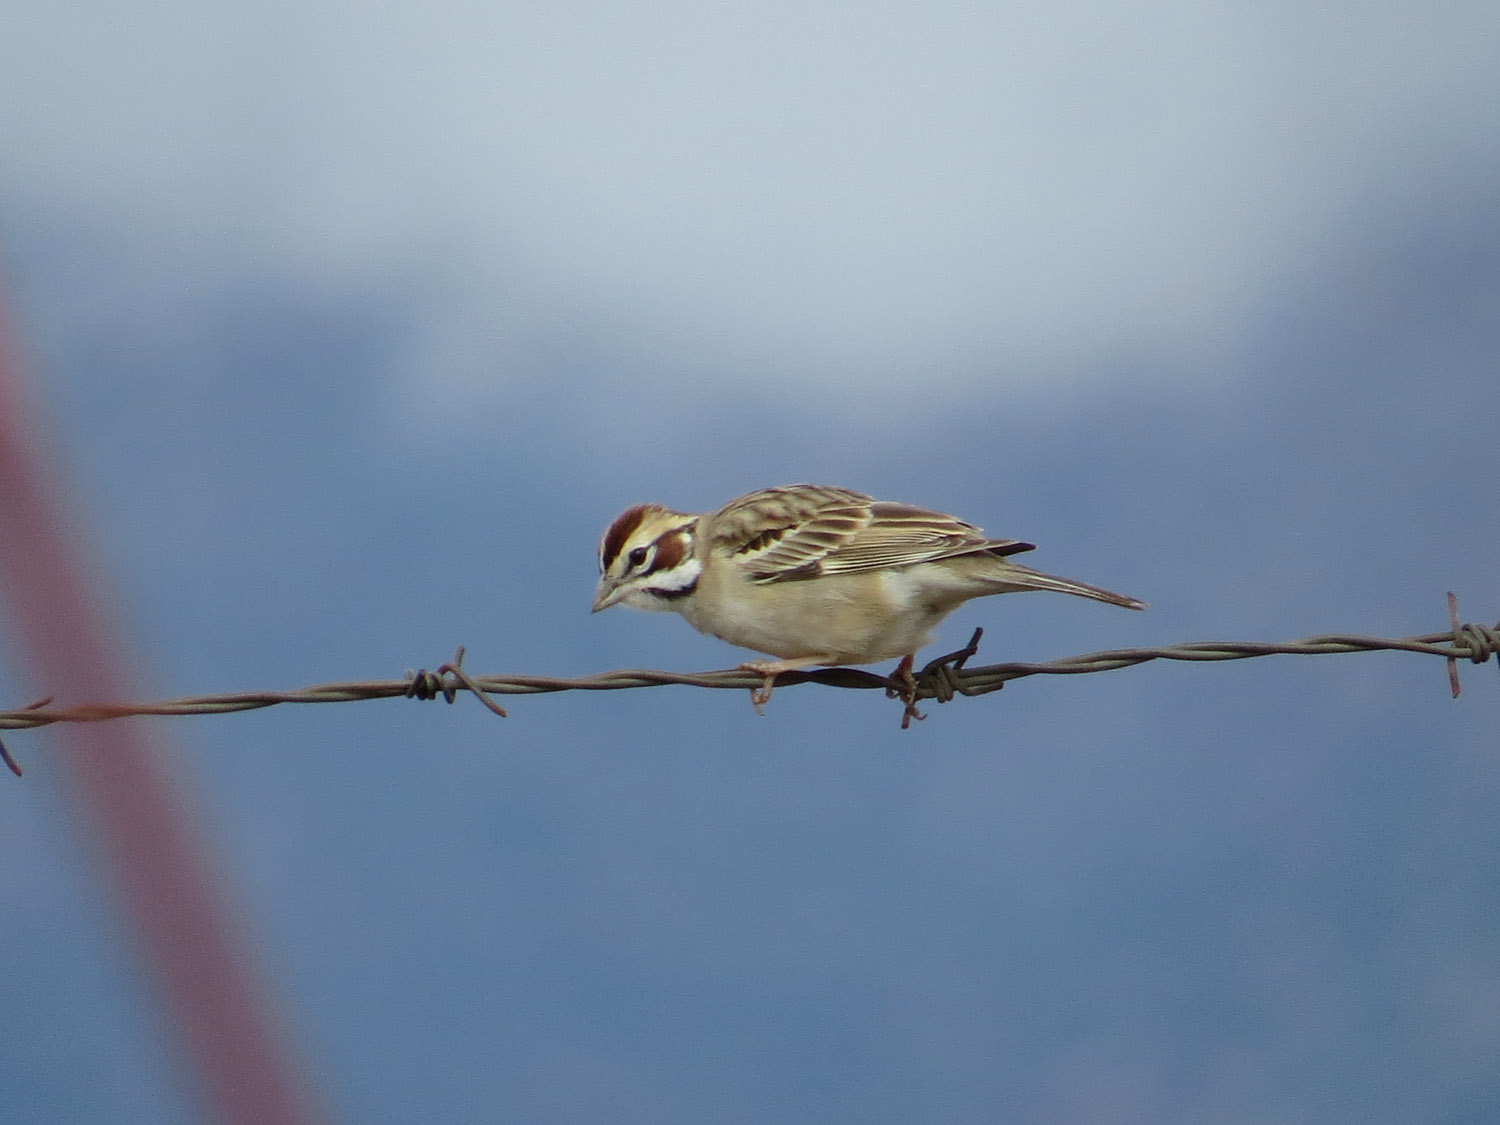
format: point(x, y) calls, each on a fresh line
point(813, 574)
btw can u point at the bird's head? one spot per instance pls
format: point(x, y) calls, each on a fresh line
point(647, 560)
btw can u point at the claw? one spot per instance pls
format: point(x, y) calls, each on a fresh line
point(770, 669)
point(939, 676)
point(760, 696)
point(908, 692)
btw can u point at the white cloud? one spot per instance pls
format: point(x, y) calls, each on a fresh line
point(820, 190)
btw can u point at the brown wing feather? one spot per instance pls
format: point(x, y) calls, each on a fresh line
point(788, 532)
point(902, 535)
point(801, 531)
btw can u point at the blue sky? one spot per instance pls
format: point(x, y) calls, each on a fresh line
point(354, 329)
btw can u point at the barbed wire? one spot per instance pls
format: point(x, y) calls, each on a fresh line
point(941, 679)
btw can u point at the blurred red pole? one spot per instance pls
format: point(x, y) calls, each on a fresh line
point(117, 779)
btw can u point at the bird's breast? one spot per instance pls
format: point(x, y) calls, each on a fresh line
point(848, 618)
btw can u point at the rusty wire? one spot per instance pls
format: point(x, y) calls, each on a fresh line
point(941, 679)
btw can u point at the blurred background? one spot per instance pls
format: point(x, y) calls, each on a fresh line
point(348, 329)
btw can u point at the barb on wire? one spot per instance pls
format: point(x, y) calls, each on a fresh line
point(940, 679)
point(447, 681)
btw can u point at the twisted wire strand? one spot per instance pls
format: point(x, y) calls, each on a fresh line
point(941, 679)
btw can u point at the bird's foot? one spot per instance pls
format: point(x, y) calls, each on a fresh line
point(769, 670)
point(939, 678)
point(908, 692)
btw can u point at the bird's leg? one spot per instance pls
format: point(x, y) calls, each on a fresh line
point(760, 696)
point(941, 678)
point(770, 669)
point(908, 692)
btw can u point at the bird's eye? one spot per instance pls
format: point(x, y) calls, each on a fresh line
point(636, 557)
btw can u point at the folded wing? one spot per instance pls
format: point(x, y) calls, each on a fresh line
point(802, 531)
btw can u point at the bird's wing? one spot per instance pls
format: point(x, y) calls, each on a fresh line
point(802, 531)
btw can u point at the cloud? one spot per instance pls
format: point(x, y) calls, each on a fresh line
point(826, 193)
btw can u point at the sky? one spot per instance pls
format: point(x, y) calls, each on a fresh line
point(351, 329)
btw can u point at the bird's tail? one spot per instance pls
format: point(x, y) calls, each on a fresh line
point(1018, 577)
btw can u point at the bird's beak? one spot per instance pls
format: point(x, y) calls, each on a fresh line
point(606, 595)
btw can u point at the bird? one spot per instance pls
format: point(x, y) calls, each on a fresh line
point(814, 575)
